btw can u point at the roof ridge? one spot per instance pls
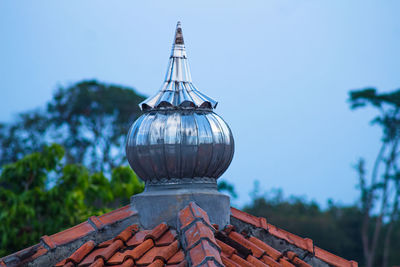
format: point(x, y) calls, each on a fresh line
point(306, 244)
point(197, 237)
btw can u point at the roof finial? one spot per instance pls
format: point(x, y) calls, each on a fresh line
point(178, 90)
point(178, 34)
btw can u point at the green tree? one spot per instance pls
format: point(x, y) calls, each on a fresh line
point(380, 189)
point(90, 119)
point(41, 194)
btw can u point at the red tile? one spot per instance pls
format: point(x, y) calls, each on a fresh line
point(273, 253)
point(97, 263)
point(192, 212)
point(71, 234)
point(167, 238)
point(169, 251)
point(138, 238)
point(202, 251)
point(285, 263)
point(177, 258)
point(333, 259)
point(128, 263)
point(270, 261)
point(47, 240)
point(157, 263)
point(69, 264)
point(157, 232)
point(105, 244)
point(245, 217)
point(96, 222)
point(303, 243)
point(127, 233)
point(228, 250)
point(197, 232)
point(2, 264)
point(138, 251)
point(89, 259)
point(111, 249)
point(257, 252)
point(239, 260)
point(117, 215)
point(182, 264)
point(81, 252)
point(228, 262)
point(150, 256)
point(118, 258)
point(256, 262)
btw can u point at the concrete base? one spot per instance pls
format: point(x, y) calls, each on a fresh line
point(162, 203)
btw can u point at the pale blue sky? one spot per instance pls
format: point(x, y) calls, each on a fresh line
point(281, 71)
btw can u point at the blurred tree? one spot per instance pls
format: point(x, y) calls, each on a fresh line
point(90, 119)
point(224, 186)
point(39, 194)
point(334, 229)
point(380, 190)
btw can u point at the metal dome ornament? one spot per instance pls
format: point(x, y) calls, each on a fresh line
point(179, 147)
point(179, 136)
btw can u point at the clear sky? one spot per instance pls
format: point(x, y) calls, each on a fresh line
point(281, 71)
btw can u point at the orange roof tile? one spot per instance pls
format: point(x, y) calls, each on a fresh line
point(195, 243)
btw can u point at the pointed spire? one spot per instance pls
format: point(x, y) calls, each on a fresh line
point(178, 91)
point(178, 34)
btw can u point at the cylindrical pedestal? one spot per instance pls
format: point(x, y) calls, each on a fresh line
point(161, 201)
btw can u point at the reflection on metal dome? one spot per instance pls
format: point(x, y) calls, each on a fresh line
point(179, 136)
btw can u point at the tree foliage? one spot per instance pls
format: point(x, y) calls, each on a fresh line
point(90, 119)
point(40, 194)
point(380, 188)
point(335, 228)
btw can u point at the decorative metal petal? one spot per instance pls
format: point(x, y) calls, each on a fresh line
point(178, 79)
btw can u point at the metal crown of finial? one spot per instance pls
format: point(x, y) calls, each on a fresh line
point(178, 90)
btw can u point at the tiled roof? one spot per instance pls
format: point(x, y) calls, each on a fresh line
point(249, 241)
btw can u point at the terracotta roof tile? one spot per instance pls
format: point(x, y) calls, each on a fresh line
point(157, 232)
point(167, 238)
point(157, 263)
point(273, 253)
point(256, 251)
point(270, 261)
point(197, 232)
point(127, 233)
point(240, 261)
point(81, 252)
point(256, 262)
point(70, 234)
point(285, 263)
point(99, 262)
point(138, 238)
point(117, 215)
point(202, 244)
point(89, 259)
point(128, 263)
point(150, 256)
point(228, 262)
point(191, 213)
point(204, 251)
point(333, 259)
point(177, 258)
point(245, 217)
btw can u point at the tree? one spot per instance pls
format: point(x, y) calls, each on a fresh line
point(41, 194)
point(380, 189)
point(90, 119)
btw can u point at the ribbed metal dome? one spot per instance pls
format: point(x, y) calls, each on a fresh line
point(179, 136)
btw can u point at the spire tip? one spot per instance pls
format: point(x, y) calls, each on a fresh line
point(178, 34)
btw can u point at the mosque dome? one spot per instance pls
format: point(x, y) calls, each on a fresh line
point(179, 136)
